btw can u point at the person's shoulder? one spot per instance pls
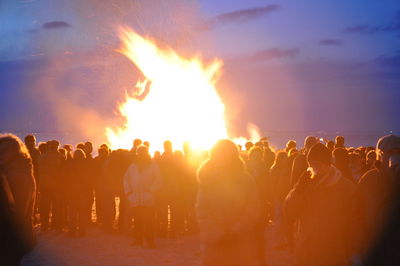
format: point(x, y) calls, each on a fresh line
point(369, 175)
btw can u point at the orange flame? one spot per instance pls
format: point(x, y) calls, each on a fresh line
point(177, 101)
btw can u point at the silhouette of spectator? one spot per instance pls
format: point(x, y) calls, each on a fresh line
point(50, 170)
point(258, 170)
point(30, 143)
point(341, 161)
point(330, 145)
point(168, 198)
point(375, 191)
point(142, 180)
point(17, 196)
point(77, 193)
point(321, 203)
point(42, 147)
point(300, 162)
point(228, 208)
point(291, 144)
point(339, 142)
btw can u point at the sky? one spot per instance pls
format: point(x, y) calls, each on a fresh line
point(289, 66)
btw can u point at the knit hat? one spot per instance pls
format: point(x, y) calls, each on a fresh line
point(319, 153)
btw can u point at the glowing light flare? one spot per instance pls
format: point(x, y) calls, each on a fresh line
point(177, 101)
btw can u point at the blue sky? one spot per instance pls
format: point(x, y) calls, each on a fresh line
point(288, 65)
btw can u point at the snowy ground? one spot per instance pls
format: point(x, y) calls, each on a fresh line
point(100, 248)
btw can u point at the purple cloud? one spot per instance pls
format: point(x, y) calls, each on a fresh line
point(56, 25)
point(239, 16)
point(331, 42)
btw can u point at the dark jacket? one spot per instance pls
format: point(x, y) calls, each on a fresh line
point(323, 210)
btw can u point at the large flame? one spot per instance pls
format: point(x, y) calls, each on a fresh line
point(176, 101)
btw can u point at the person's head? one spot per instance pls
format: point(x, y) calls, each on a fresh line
point(371, 157)
point(63, 152)
point(386, 147)
point(167, 146)
point(147, 144)
point(291, 144)
point(309, 142)
point(330, 145)
point(81, 146)
point(103, 152)
point(88, 148)
point(143, 155)
point(52, 146)
point(319, 158)
point(340, 157)
point(339, 142)
point(42, 147)
point(30, 141)
point(79, 155)
point(248, 145)
point(67, 147)
point(256, 154)
point(11, 147)
point(137, 143)
point(225, 154)
point(293, 153)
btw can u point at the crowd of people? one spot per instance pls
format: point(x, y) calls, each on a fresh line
point(328, 202)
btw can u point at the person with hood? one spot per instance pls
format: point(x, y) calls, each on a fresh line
point(142, 180)
point(17, 196)
point(228, 208)
point(321, 203)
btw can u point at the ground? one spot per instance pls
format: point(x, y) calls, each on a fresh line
point(100, 248)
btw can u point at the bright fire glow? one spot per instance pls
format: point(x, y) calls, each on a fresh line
point(176, 101)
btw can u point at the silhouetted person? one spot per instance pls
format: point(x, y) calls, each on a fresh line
point(100, 187)
point(42, 147)
point(341, 162)
point(269, 155)
point(330, 145)
point(228, 208)
point(168, 197)
point(50, 170)
point(17, 196)
point(30, 143)
point(322, 205)
point(88, 149)
point(291, 144)
point(78, 187)
point(339, 142)
point(356, 167)
point(258, 170)
point(375, 191)
point(300, 162)
point(142, 180)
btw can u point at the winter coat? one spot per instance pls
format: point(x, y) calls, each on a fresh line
point(141, 185)
point(324, 211)
point(374, 198)
point(228, 209)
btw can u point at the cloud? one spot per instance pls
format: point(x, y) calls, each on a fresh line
point(331, 42)
point(239, 16)
point(393, 26)
point(56, 25)
point(274, 53)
